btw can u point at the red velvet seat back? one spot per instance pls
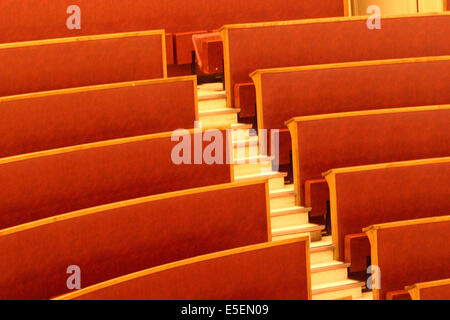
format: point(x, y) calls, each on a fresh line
point(367, 195)
point(302, 91)
point(61, 118)
point(434, 290)
point(410, 252)
point(114, 240)
point(75, 62)
point(250, 273)
point(321, 143)
point(52, 182)
point(300, 43)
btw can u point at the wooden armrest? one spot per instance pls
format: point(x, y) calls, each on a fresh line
point(357, 249)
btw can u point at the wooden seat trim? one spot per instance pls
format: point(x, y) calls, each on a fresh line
point(414, 290)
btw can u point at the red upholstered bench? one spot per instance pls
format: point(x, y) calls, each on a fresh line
point(75, 62)
point(40, 20)
point(409, 251)
point(120, 238)
point(61, 118)
point(323, 142)
point(283, 93)
point(366, 195)
point(248, 273)
point(307, 42)
point(433, 290)
point(47, 183)
point(209, 52)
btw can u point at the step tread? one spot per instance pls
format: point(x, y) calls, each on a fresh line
point(304, 228)
point(219, 111)
point(284, 192)
point(336, 286)
point(326, 240)
point(204, 95)
point(256, 160)
point(243, 126)
point(327, 266)
point(288, 211)
point(328, 247)
point(258, 176)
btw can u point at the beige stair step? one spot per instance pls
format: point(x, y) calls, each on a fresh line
point(274, 182)
point(288, 211)
point(314, 230)
point(258, 165)
point(204, 95)
point(247, 141)
point(332, 271)
point(212, 104)
point(241, 126)
point(289, 221)
point(366, 296)
point(283, 198)
point(338, 290)
point(210, 86)
point(218, 118)
point(322, 254)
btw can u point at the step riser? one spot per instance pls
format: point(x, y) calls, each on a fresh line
point(329, 276)
point(218, 121)
point(282, 202)
point(211, 104)
point(276, 183)
point(313, 235)
point(322, 257)
point(355, 293)
point(252, 168)
point(245, 152)
point(290, 220)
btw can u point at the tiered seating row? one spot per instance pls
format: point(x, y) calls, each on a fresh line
point(38, 21)
point(249, 273)
point(116, 239)
point(75, 62)
point(409, 252)
point(48, 183)
point(381, 193)
point(307, 42)
point(61, 118)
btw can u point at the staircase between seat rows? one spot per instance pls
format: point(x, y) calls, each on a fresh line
point(329, 278)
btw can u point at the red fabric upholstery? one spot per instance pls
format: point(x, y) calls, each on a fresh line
point(254, 274)
point(435, 293)
point(398, 295)
point(315, 191)
point(291, 94)
point(209, 52)
point(365, 197)
point(184, 46)
point(125, 238)
point(324, 144)
point(169, 48)
point(78, 63)
point(331, 42)
point(35, 187)
point(411, 254)
point(37, 20)
point(245, 96)
point(357, 249)
point(64, 118)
